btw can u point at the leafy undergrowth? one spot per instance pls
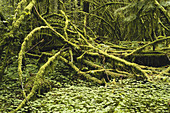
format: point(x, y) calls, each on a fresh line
point(70, 94)
point(127, 96)
point(132, 97)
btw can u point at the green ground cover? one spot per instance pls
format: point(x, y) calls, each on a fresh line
point(85, 97)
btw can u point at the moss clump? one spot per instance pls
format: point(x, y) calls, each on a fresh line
point(44, 85)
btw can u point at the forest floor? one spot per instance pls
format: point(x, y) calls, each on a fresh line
point(79, 96)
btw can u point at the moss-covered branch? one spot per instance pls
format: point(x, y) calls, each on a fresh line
point(88, 76)
point(28, 39)
point(27, 11)
point(37, 82)
point(57, 33)
point(126, 63)
point(162, 38)
point(134, 66)
point(66, 24)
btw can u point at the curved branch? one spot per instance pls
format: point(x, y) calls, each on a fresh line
point(36, 84)
point(24, 46)
point(65, 40)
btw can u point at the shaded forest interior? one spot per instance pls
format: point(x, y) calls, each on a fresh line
point(100, 40)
